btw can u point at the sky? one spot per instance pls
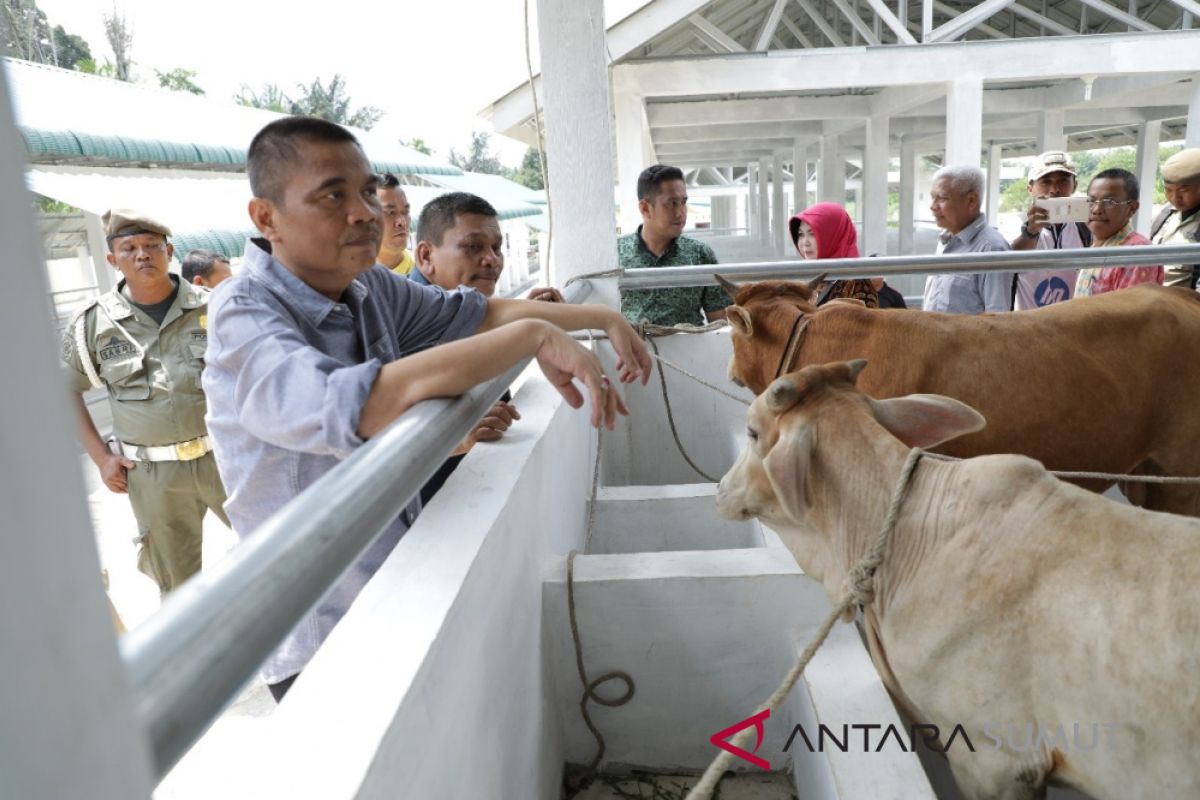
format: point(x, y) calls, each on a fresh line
point(431, 66)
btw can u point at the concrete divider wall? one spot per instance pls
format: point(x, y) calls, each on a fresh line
point(433, 685)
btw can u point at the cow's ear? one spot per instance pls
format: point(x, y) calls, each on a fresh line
point(739, 318)
point(788, 465)
point(926, 420)
point(729, 286)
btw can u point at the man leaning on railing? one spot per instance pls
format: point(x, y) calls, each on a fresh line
point(309, 347)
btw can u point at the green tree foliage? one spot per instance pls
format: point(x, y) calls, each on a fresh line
point(178, 80)
point(120, 39)
point(418, 144)
point(28, 35)
point(1015, 196)
point(329, 101)
point(479, 157)
point(530, 172)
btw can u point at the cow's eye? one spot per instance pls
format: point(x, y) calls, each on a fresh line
point(753, 434)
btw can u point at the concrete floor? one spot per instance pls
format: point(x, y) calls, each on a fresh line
point(645, 786)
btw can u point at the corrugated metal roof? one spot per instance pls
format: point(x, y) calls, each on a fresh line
point(68, 116)
point(490, 186)
point(203, 209)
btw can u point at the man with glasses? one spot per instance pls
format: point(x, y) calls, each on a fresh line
point(145, 342)
point(662, 199)
point(1179, 222)
point(1112, 203)
point(1053, 175)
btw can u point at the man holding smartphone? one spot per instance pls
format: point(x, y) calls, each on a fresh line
point(1054, 175)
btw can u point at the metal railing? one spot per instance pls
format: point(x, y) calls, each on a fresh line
point(886, 266)
point(188, 661)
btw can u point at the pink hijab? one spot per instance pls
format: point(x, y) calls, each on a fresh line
point(836, 237)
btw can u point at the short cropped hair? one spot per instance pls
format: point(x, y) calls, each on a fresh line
point(652, 178)
point(1118, 174)
point(440, 214)
point(273, 149)
point(387, 180)
point(963, 179)
point(199, 263)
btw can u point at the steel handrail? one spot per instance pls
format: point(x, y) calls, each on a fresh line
point(189, 661)
point(887, 266)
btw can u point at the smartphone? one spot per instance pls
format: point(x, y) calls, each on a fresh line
point(1064, 209)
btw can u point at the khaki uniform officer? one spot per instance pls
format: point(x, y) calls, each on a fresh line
point(1179, 222)
point(144, 341)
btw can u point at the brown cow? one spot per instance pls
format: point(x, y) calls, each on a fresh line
point(1099, 384)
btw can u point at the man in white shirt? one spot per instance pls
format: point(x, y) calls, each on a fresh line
point(1052, 176)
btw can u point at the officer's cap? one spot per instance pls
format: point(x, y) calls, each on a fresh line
point(1183, 167)
point(128, 222)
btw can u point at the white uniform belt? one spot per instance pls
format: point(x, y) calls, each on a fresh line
point(180, 451)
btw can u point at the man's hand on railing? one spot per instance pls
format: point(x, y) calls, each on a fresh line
point(491, 428)
point(562, 360)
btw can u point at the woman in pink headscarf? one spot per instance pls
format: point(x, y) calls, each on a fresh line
point(826, 231)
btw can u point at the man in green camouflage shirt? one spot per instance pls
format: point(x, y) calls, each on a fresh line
point(662, 199)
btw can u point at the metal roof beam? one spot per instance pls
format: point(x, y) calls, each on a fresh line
point(770, 24)
point(856, 22)
point(956, 27)
point(821, 22)
point(1045, 22)
point(1118, 15)
point(711, 33)
point(1189, 6)
point(767, 109)
point(892, 21)
point(979, 26)
point(745, 130)
point(795, 31)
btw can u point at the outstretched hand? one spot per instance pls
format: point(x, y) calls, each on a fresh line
point(563, 360)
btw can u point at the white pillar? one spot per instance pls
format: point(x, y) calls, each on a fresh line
point(106, 275)
point(778, 209)
point(579, 139)
point(1147, 173)
point(993, 183)
point(752, 200)
point(874, 194)
point(632, 131)
point(799, 177)
point(831, 181)
point(1050, 130)
point(964, 121)
point(1193, 117)
point(764, 202)
point(908, 194)
point(68, 728)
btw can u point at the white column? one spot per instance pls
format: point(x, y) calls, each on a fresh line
point(799, 177)
point(68, 727)
point(908, 194)
point(752, 200)
point(778, 209)
point(831, 180)
point(764, 202)
point(964, 121)
point(106, 275)
point(993, 183)
point(632, 132)
point(1147, 173)
point(1193, 117)
point(1050, 130)
point(579, 139)
point(874, 194)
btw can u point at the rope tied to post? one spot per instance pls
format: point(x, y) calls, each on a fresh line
point(860, 590)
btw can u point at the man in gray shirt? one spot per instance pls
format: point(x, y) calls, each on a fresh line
point(956, 199)
point(313, 349)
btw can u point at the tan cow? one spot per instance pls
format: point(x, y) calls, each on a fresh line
point(1008, 601)
point(1099, 384)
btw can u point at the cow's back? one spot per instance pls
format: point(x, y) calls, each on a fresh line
point(1093, 384)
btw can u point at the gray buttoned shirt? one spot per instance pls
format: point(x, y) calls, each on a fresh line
point(970, 293)
point(288, 371)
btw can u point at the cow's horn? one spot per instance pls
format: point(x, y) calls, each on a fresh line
point(856, 367)
point(730, 287)
point(818, 280)
point(782, 395)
